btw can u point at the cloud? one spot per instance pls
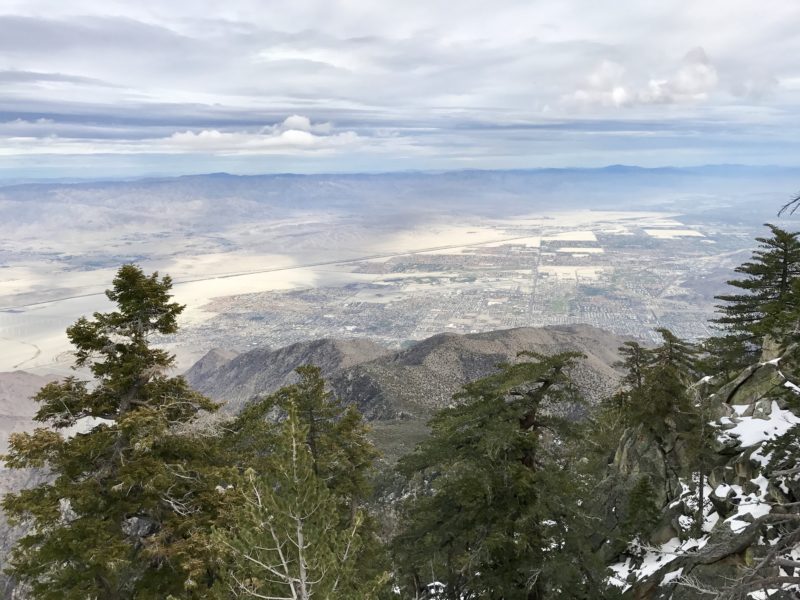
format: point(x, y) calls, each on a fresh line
point(692, 82)
point(610, 85)
point(605, 86)
point(755, 86)
point(295, 134)
point(304, 124)
point(40, 122)
point(420, 79)
point(12, 77)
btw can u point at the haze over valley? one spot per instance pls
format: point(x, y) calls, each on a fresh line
point(273, 260)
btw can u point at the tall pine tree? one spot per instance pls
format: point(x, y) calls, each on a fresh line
point(333, 458)
point(767, 288)
point(493, 510)
point(125, 486)
point(286, 538)
point(664, 401)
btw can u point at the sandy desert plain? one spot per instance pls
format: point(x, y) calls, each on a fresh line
point(441, 274)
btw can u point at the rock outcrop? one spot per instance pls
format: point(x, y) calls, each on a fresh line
point(743, 492)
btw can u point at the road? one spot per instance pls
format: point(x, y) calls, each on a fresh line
point(327, 263)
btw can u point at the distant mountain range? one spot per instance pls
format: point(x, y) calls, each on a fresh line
point(614, 186)
point(386, 385)
point(715, 169)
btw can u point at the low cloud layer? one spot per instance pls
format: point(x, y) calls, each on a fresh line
point(359, 86)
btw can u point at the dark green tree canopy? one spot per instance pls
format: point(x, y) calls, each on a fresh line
point(655, 390)
point(284, 536)
point(114, 518)
point(306, 464)
point(493, 511)
point(767, 288)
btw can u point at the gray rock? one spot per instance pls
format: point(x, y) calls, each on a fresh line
point(139, 527)
point(762, 409)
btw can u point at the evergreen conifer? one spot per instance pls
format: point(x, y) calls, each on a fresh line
point(286, 538)
point(495, 512)
point(767, 288)
point(125, 485)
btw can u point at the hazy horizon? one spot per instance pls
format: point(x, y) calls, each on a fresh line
point(18, 177)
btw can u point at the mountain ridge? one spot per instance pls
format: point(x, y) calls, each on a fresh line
point(409, 383)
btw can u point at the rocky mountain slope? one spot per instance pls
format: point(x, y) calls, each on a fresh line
point(262, 370)
point(743, 541)
point(410, 383)
point(16, 414)
point(16, 407)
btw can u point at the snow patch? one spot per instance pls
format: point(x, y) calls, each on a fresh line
point(750, 431)
point(761, 459)
point(671, 576)
point(791, 386)
point(84, 425)
point(652, 561)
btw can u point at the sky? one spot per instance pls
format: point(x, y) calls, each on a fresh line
point(108, 88)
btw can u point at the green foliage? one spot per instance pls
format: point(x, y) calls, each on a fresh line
point(635, 360)
point(660, 396)
point(655, 389)
point(643, 512)
point(114, 520)
point(306, 460)
point(337, 437)
point(664, 403)
point(768, 288)
point(725, 356)
point(701, 446)
point(613, 414)
point(287, 538)
point(493, 509)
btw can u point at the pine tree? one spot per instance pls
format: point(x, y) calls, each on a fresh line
point(726, 356)
point(643, 512)
point(494, 512)
point(701, 455)
point(635, 359)
point(287, 539)
point(344, 458)
point(125, 486)
point(767, 288)
point(337, 438)
point(665, 397)
point(341, 459)
point(614, 411)
point(664, 401)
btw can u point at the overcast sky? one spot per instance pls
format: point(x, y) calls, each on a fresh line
point(111, 87)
